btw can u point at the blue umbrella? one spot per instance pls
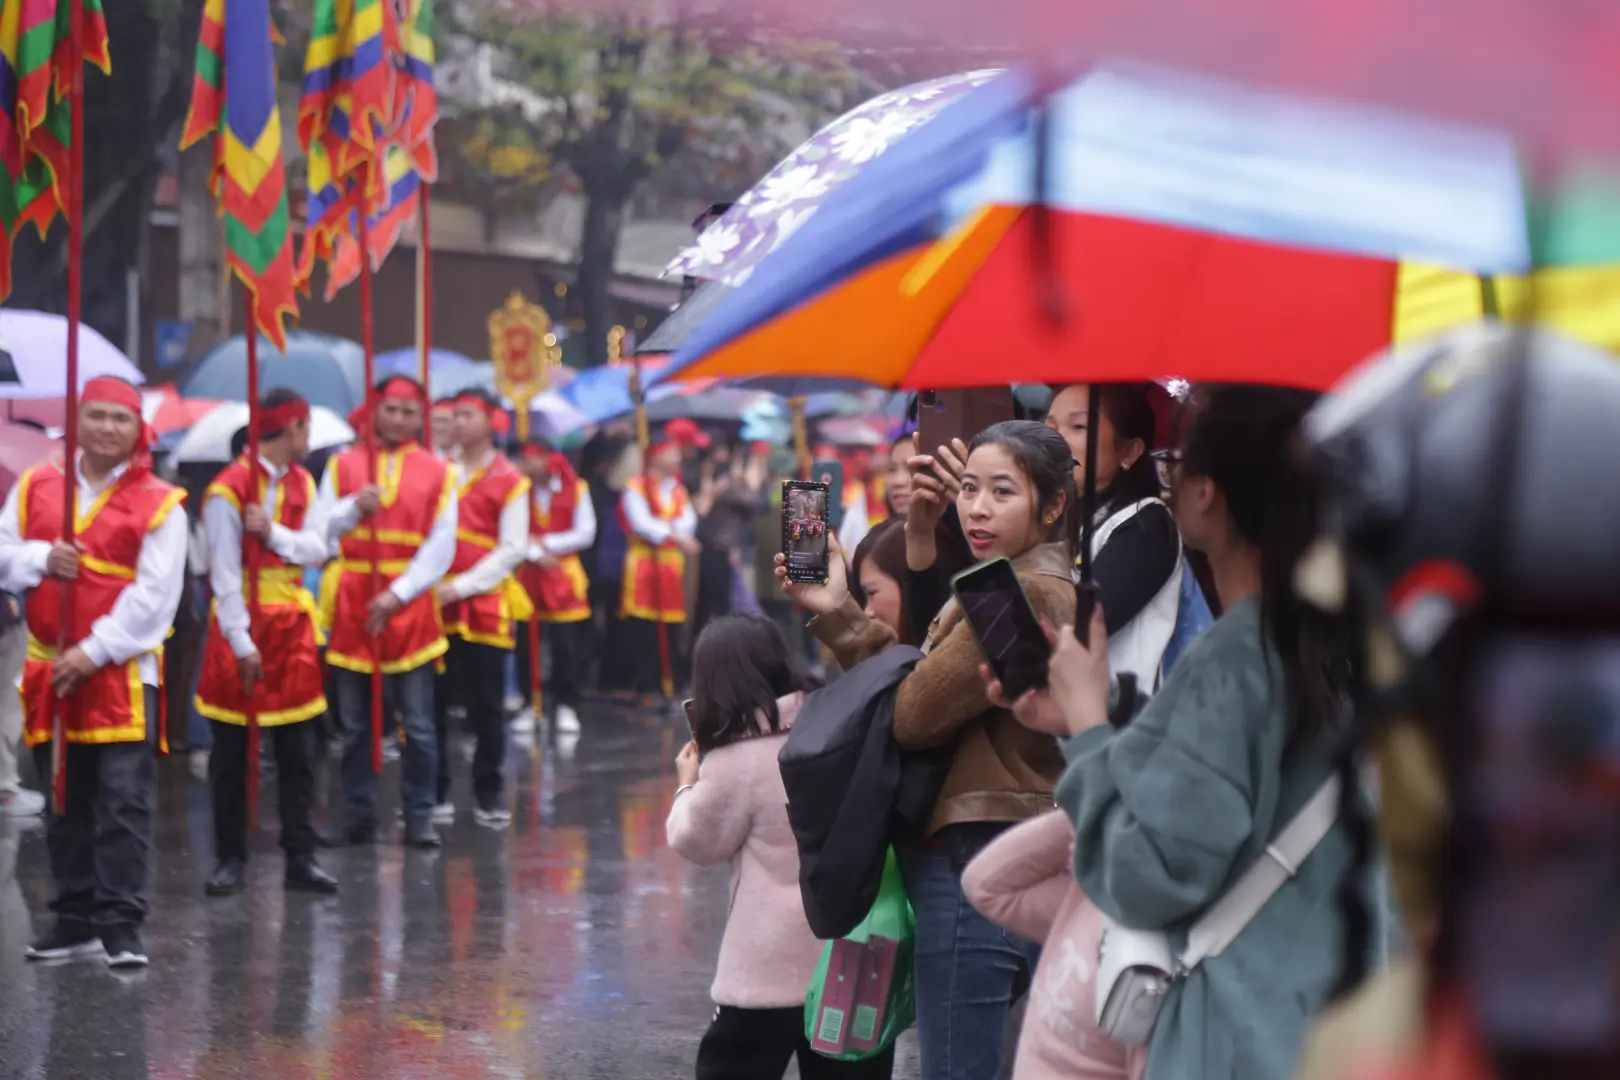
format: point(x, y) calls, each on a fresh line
point(408, 362)
point(601, 393)
point(327, 370)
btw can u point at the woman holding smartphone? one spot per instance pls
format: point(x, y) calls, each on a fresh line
point(1016, 488)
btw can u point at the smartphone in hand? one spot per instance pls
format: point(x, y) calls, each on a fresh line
point(805, 521)
point(1006, 626)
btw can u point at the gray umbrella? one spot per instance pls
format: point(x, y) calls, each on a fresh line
point(680, 323)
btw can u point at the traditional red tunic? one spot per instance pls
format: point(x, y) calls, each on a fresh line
point(111, 705)
point(486, 619)
point(284, 629)
point(415, 487)
point(654, 585)
point(562, 593)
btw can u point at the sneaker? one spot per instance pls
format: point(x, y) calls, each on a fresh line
point(513, 702)
point(444, 813)
point(21, 803)
point(496, 817)
point(124, 948)
point(65, 941)
point(390, 750)
point(197, 762)
point(567, 720)
point(523, 722)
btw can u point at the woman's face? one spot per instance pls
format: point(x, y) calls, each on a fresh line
point(1068, 417)
point(897, 478)
point(1197, 506)
point(882, 595)
point(999, 506)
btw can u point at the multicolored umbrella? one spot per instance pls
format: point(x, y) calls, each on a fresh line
point(32, 344)
point(1187, 225)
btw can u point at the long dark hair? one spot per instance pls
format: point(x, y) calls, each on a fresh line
point(1044, 457)
point(740, 666)
point(885, 547)
point(1130, 414)
point(1242, 438)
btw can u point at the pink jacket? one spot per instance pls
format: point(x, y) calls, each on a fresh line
point(738, 812)
point(1024, 882)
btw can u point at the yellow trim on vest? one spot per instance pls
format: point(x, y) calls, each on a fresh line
point(362, 664)
point(170, 501)
point(221, 491)
point(110, 569)
point(488, 543)
point(384, 566)
point(278, 718)
point(134, 731)
point(393, 536)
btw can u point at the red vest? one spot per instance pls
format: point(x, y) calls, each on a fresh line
point(654, 584)
point(486, 619)
point(562, 593)
point(111, 706)
point(415, 486)
point(284, 627)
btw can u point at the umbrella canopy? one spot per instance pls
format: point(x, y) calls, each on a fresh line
point(552, 417)
point(730, 249)
point(1187, 223)
point(161, 406)
point(328, 370)
point(33, 355)
point(209, 440)
point(720, 404)
point(408, 362)
point(601, 393)
point(21, 448)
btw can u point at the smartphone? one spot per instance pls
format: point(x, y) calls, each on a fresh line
point(1085, 606)
point(829, 472)
point(943, 415)
point(1537, 889)
point(805, 517)
point(1008, 630)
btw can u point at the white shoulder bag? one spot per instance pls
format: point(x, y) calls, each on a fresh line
point(1137, 969)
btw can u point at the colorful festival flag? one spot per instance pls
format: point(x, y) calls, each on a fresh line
point(36, 120)
point(233, 98)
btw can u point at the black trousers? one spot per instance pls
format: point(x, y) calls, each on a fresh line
point(757, 1044)
point(100, 846)
point(713, 589)
point(294, 747)
point(474, 678)
point(640, 638)
point(567, 644)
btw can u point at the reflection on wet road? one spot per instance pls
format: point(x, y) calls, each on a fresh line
point(571, 944)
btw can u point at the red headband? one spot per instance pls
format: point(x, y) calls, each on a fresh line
point(499, 422)
point(401, 387)
point(106, 390)
point(278, 418)
point(531, 452)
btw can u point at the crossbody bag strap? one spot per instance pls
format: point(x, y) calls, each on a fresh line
point(1225, 920)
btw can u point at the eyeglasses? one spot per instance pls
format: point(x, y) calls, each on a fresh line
point(1168, 464)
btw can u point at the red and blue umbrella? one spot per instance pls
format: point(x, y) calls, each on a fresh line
point(1187, 225)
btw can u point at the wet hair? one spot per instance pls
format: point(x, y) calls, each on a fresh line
point(1242, 439)
point(1045, 458)
point(740, 666)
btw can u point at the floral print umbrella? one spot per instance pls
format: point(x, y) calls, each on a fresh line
point(779, 205)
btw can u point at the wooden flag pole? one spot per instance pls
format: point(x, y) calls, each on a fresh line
point(369, 346)
point(252, 556)
point(424, 309)
point(644, 437)
point(75, 288)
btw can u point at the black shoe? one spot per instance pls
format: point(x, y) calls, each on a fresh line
point(227, 878)
point(305, 875)
point(420, 833)
point(65, 940)
point(350, 836)
point(124, 948)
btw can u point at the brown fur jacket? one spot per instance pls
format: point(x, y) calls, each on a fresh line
point(1002, 771)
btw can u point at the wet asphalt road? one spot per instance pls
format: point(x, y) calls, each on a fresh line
point(571, 944)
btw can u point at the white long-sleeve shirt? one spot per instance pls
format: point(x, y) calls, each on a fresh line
point(651, 529)
point(144, 612)
point(570, 541)
point(511, 545)
point(432, 560)
point(223, 525)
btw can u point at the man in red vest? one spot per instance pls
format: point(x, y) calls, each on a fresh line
point(660, 526)
point(412, 509)
point(482, 602)
point(443, 420)
point(127, 566)
point(282, 517)
point(562, 524)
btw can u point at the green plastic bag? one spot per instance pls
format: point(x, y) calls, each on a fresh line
point(863, 994)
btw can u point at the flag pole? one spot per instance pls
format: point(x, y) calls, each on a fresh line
point(644, 437)
point(367, 343)
point(75, 288)
point(424, 307)
point(252, 551)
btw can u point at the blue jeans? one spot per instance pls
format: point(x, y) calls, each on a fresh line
point(969, 970)
point(409, 694)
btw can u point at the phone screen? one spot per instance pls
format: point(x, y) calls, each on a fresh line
point(831, 473)
point(804, 530)
point(1009, 633)
point(1539, 905)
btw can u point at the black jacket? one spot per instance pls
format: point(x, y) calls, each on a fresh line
point(851, 789)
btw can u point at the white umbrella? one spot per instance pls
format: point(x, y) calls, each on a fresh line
point(33, 355)
point(209, 439)
point(553, 416)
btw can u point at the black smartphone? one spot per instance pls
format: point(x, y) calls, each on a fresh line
point(804, 529)
point(1008, 630)
point(1085, 606)
point(830, 472)
point(1537, 896)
